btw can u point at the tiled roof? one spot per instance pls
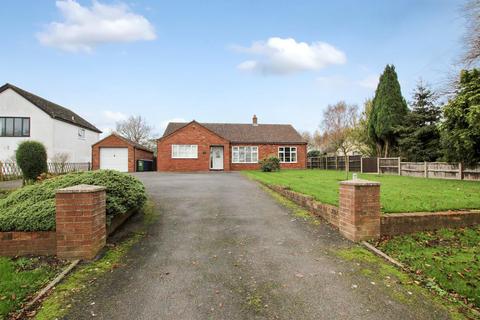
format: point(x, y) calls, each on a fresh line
point(128, 141)
point(247, 133)
point(52, 109)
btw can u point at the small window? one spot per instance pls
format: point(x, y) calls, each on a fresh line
point(184, 151)
point(9, 127)
point(245, 154)
point(81, 133)
point(26, 127)
point(287, 154)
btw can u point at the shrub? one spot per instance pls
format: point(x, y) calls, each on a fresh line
point(270, 164)
point(31, 157)
point(32, 208)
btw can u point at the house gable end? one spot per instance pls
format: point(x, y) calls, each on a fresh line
point(193, 124)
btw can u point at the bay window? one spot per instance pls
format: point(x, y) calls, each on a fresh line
point(244, 154)
point(184, 151)
point(287, 154)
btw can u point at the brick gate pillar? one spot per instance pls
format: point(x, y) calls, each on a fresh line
point(359, 209)
point(80, 221)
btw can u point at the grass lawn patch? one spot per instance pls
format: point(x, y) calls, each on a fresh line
point(447, 260)
point(20, 278)
point(398, 193)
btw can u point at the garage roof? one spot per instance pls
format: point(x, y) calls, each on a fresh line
point(247, 133)
point(127, 141)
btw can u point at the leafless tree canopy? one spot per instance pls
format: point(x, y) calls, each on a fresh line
point(136, 129)
point(338, 121)
point(472, 34)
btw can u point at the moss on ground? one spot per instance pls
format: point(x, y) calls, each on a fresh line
point(57, 304)
point(297, 211)
point(401, 286)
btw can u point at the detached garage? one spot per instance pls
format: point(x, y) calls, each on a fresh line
point(118, 153)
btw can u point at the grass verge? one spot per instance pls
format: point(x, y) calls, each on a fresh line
point(398, 193)
point(447, 261)
point(20, 278)
point(401, 286)
point(57, 304)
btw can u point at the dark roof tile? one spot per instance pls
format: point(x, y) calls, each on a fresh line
point(52, 109)
point(247, 133)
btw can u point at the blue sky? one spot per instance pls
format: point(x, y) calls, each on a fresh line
point(222, 61)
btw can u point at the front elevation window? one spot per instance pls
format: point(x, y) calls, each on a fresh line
point(184, 151)
point(14, 127)
point(244, 154)
point(287, 154)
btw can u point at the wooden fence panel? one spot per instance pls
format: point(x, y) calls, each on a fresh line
point(11, 171)
point(389, 165)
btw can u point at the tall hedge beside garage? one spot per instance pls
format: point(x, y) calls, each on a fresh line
point(32, 208)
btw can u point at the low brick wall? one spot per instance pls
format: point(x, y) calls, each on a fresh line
point(326, 211)
point(404, 223)
point(17, 243)
point(361, 225)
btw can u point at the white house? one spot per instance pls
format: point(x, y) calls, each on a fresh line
point(25, 116)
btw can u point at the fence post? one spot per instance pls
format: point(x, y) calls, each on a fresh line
point(361, 164)
point(378, 165)
point(336, 162)
point(399, 166)
point(347, 163)
point(425, 169)
point(460, 170)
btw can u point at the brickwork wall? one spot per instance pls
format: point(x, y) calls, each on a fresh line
point(18, 243)
point(359, 209)
point(267, 150)
point(80, 221)
point(326, 211)
point(191, 134)
point(405, 223)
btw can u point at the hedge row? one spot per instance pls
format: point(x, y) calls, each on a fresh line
point(32, 208)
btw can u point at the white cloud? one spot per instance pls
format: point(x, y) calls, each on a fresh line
point(84, 28)
point(114, 116)
point(369, 82)
point(286, 56)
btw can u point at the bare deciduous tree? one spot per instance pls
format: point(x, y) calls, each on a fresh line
point(472, 34)
point(136, 129)
point(338, 122)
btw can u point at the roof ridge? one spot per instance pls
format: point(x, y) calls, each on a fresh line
point(47, 106)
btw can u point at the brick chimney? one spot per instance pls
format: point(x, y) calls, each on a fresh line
point(254, 120)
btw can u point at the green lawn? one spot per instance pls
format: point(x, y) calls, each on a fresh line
point(22, 277)
point(398, 194)
point(447, 260)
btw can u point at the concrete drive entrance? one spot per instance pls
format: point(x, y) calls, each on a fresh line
point(225, 249)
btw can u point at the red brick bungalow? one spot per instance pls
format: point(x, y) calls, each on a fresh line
point(197, 146)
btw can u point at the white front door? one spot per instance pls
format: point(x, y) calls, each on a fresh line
point(216, 158)
point(114, 159)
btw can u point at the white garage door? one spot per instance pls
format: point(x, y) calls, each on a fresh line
point(114, 159)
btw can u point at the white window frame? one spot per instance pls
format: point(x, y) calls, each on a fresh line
point(281, 154)
point(190, 154)
point(81, 133)
point(236, 154)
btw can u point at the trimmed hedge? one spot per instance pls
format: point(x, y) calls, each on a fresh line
point(32, 208)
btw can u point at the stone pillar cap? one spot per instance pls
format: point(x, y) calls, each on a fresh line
point(360, 182)
point(81, 188)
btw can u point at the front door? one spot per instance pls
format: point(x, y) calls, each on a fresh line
point(216, 158)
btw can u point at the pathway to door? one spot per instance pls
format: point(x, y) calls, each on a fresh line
point(223, 248)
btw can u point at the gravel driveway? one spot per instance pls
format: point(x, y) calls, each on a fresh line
point(223, 248)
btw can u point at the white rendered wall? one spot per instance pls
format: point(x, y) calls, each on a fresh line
point(57, 136)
